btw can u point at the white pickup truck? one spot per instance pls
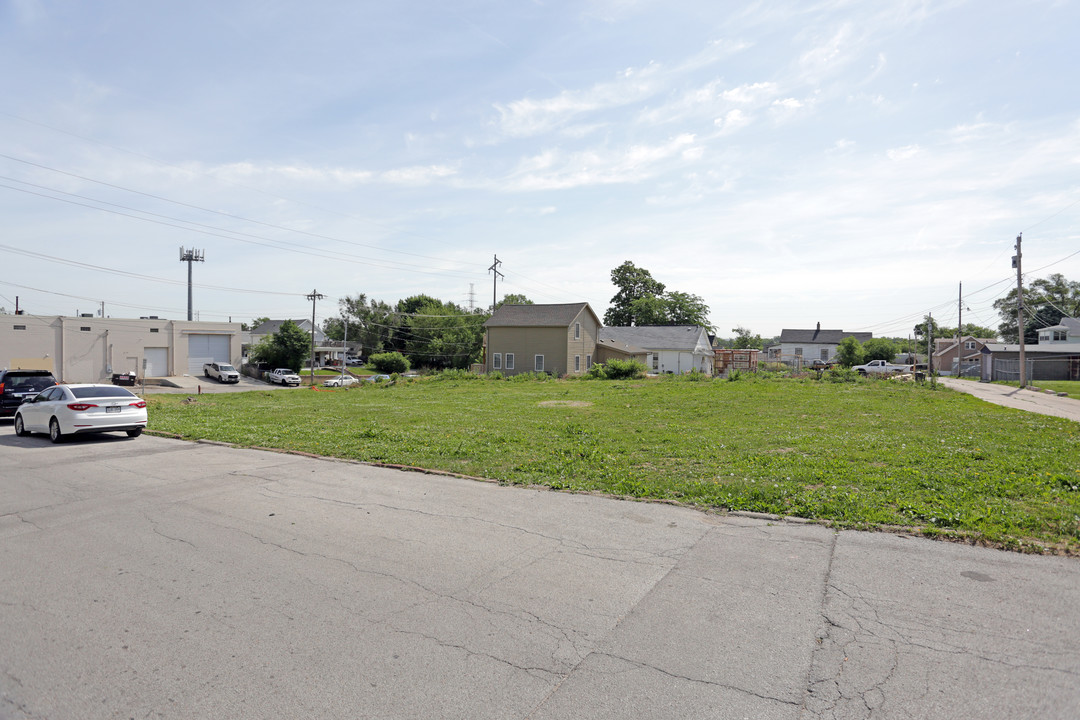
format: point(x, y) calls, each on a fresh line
point(222, 372)
point(881, 367)
point(283, 376)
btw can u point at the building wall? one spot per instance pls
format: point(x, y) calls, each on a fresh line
point(92, 349)
point(525, 343)
point(583, 346)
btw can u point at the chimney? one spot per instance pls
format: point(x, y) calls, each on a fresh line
point(818, 327)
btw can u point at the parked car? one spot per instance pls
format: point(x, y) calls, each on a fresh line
point(17, 386)
point(64, 410)
point(822, 364)
point(222, 372)
point(283, 376)
point(340, 381)
point(353, 360)
point(379, 378)
point(881, 367)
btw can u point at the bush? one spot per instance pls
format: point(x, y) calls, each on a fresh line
point(841, 375)
point(455, 374)
point(389, 363)
point(618, 370)
point(733, 375)
point(527, 376)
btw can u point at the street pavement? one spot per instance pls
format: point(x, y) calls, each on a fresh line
point(159, 578)
point(1026, 399)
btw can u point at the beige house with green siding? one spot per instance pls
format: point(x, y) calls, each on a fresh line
point(556, 339)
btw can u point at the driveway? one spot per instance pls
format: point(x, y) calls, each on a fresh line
point(159, 578)
point(1026, 399)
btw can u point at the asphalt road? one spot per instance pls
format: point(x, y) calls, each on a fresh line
point(154, 578)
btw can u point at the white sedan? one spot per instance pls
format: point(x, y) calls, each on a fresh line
point(64, 410)
point(340, 381)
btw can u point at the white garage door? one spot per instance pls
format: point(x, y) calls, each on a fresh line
point(157, 362)
point(204, 349)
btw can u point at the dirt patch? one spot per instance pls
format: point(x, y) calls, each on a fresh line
point(565, 403)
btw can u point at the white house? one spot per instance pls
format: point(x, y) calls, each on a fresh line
point(797, 347)
point(670, 348)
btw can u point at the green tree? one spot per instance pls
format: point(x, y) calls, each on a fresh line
point(288, 347)
point(649, 310)
point(633, 283)
point(439, 335)
point(254, 323)
point(389, 363)
point(745, 340)
point(686, 309)
point(1046, 301)
point(878, 349)
point(849, 352)
point(371, 323)
point(514, 299)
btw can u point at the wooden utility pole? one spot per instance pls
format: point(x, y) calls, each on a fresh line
point(313, 296)
point(1020, 310)
point(495, 281)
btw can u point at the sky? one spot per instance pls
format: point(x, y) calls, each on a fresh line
point(854, 164)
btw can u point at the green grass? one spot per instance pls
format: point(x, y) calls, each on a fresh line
point(867, 454)
point(1071, 387)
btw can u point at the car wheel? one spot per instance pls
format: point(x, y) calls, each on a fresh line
point(20, 429)
point(205, 373)
point(134, 432)
point(54, 431)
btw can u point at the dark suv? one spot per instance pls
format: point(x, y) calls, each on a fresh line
point(17, 386)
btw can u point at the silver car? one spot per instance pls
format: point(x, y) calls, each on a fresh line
point(64, 410)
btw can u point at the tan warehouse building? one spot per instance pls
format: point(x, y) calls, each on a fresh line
point(93, 349)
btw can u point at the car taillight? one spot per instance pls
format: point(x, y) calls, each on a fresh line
point(79, 407)
point(140, 404)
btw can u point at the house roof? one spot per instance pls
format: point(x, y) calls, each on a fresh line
point(1067, 323)
point(658, 337)
point(560, 315)
point(619, 345)
point(269, 327)
point(824, 337)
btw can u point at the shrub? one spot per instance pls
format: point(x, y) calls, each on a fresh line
point(841, 375)
point(622, 369)
point(734, 375)
point(455, 374)
point(527, 376)
point(389, 363)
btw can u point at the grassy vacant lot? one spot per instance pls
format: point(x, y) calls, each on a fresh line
point(868, 454)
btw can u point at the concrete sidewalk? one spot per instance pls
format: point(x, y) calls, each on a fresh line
point(1026, 399)
point(168, 579)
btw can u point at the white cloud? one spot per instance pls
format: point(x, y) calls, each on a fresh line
point(554, 171)
point(732, 121)
point(419, 175)
point(752, 93)
point(902, 153)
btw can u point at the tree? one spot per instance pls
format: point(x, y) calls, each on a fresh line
point(288, 347)
point(746, 341)
point(878, 349)
point(649, 310)
point(513, 299)
point(1046, 301)
point(437, 334)
point(633, 283)
point(686, 309)
point(370, 323)
point(254, 323)
point(849, 352)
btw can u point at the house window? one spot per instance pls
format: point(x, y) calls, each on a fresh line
point(509, 361)
point(588, 362)
point(1061, 335)
point(538, 363)
point(496, 361)
point(970, 345)
point(577, 331)
point(577, 363)
point(798, 352)
point(655, 361)
point(20, 327)
point(824, 353)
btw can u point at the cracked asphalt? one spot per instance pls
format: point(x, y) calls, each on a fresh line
point(154, 578)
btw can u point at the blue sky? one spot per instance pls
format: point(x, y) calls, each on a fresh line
point(847, 163)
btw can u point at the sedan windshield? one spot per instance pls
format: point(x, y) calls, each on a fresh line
point(100, 392)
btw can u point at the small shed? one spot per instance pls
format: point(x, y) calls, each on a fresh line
point(744, 360)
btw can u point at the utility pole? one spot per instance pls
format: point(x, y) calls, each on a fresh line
point(495, 281)
point(190, 256)
point(930, 348)
point(313, 296)
point(1020, 310)
point(959, 327)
